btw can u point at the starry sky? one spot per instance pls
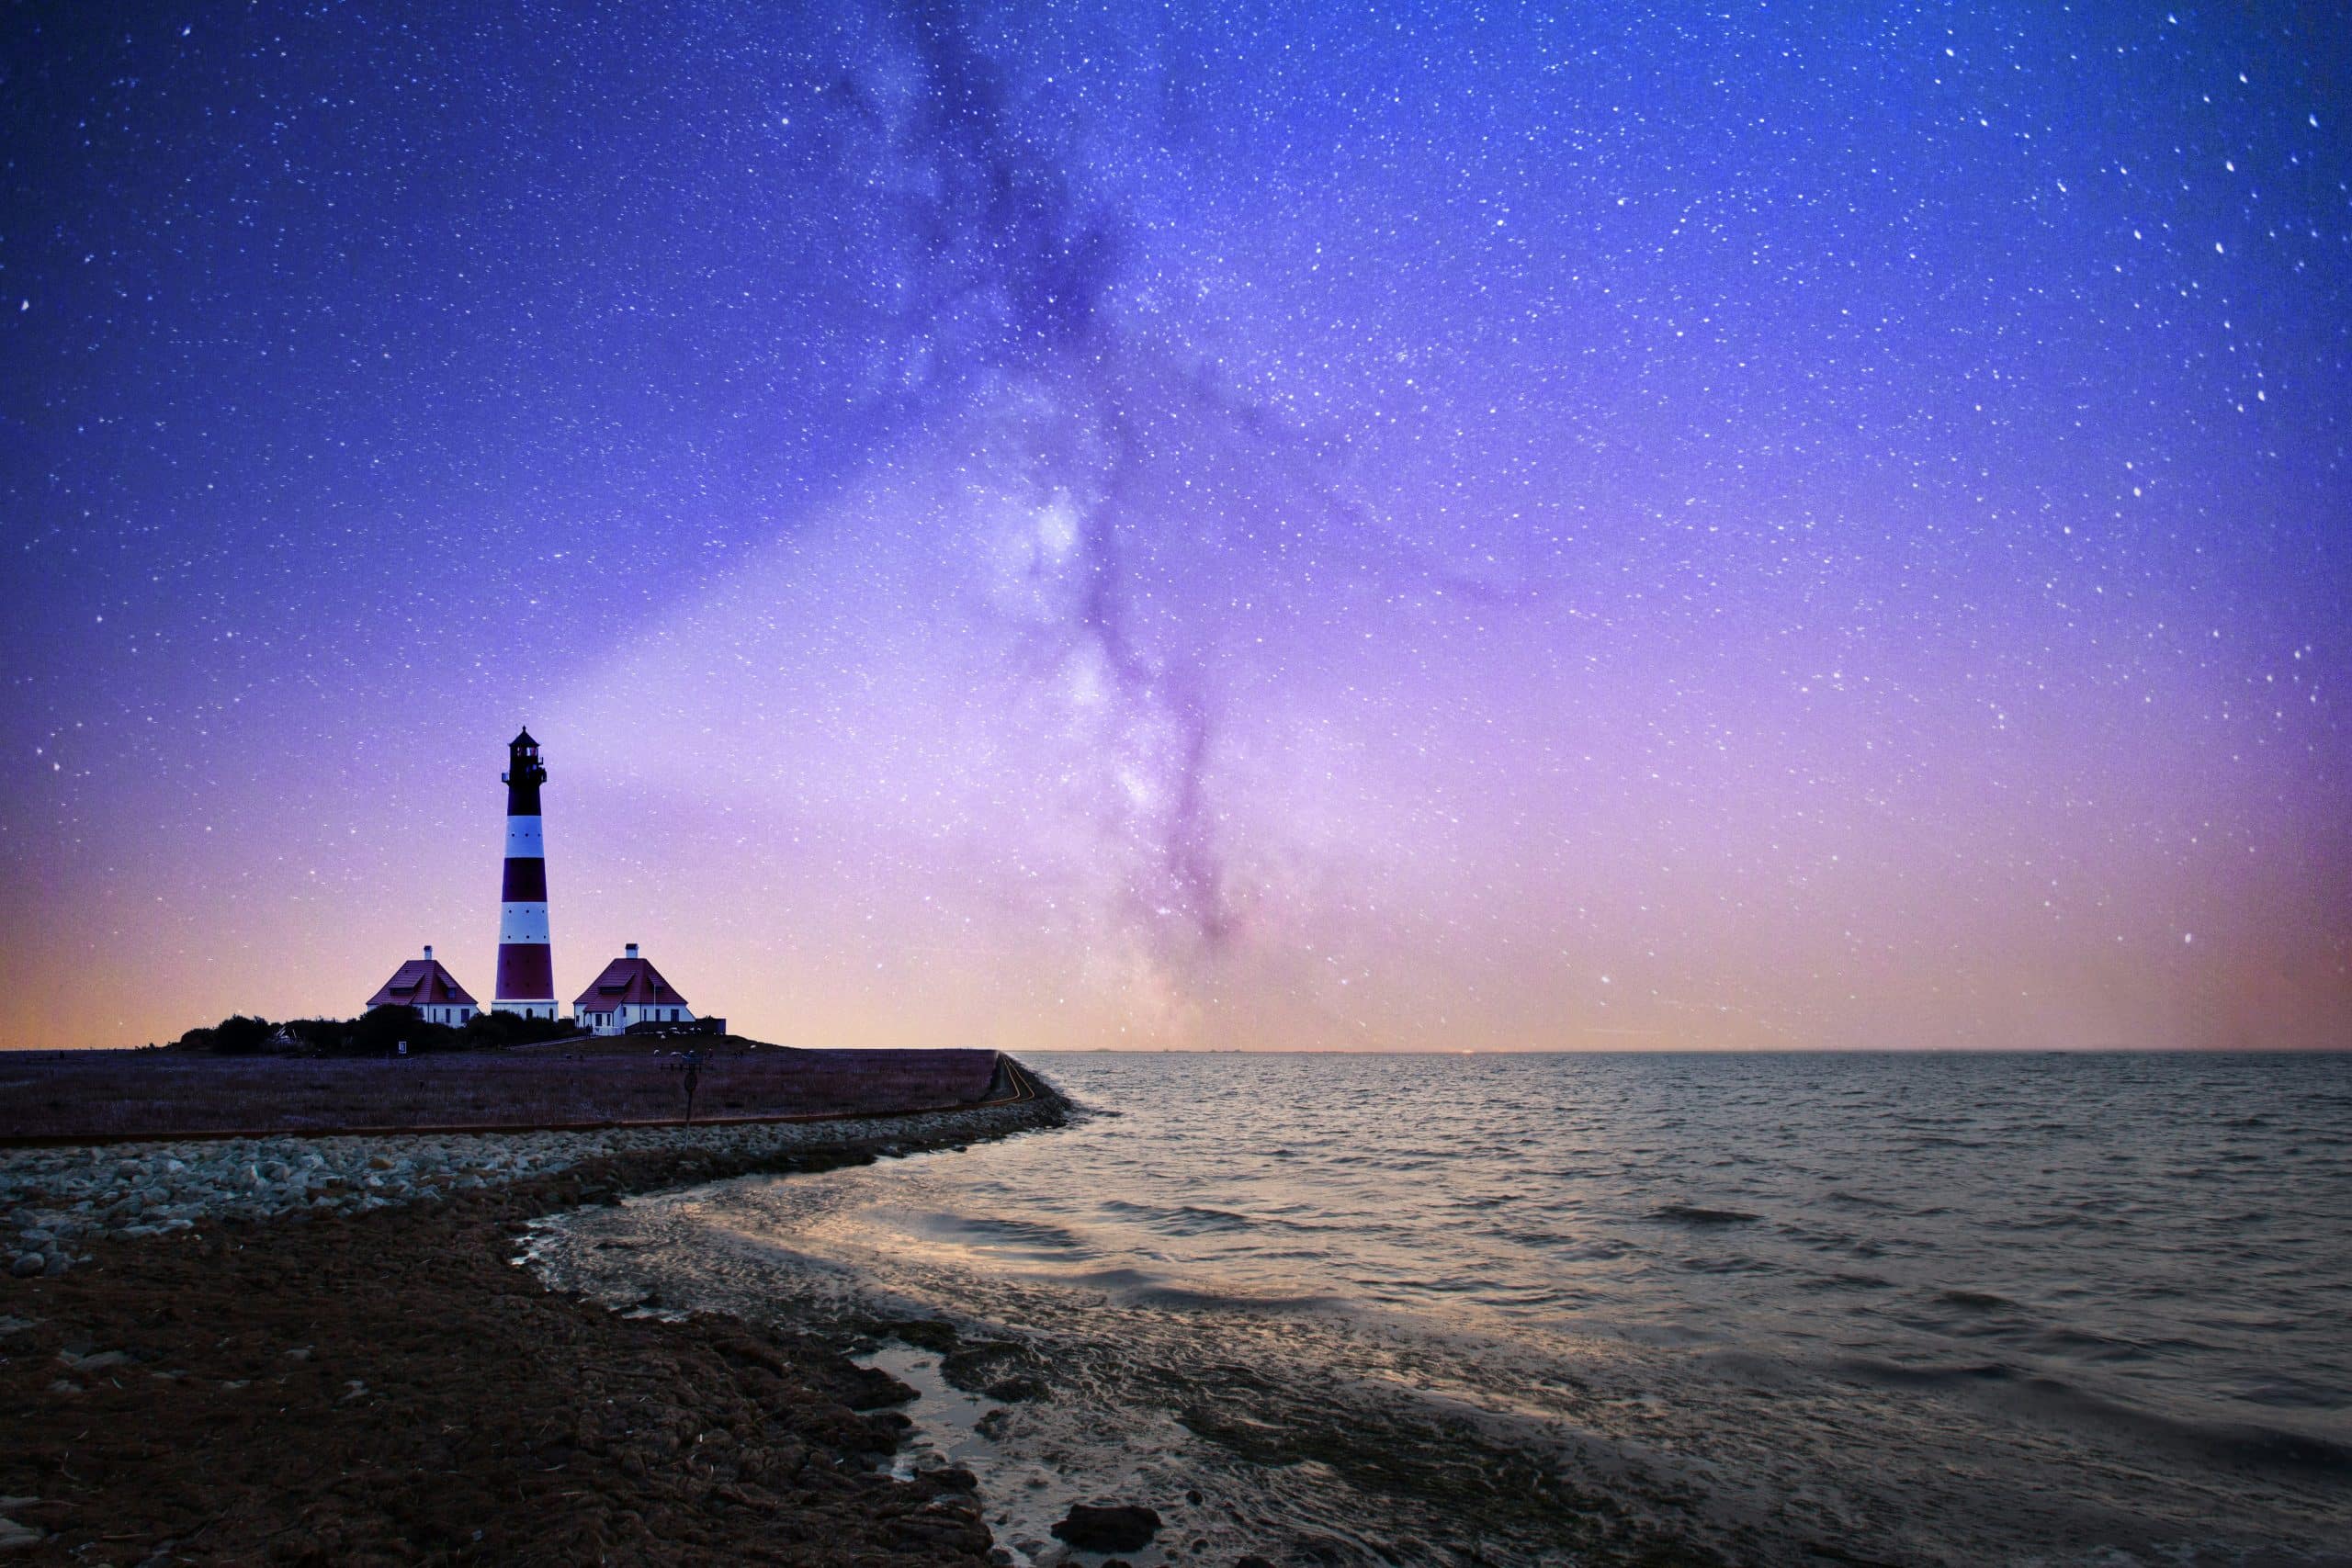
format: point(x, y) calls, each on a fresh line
point(1457, 526)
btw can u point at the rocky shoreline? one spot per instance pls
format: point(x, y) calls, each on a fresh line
point(53, 1202)
point(321, 1351)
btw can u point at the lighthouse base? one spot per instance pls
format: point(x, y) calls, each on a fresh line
point(545, 1008)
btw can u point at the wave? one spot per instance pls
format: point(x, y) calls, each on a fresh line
point(1846, 1281)
point(1979, 1300)
point(1894, 1374)
point(1000, 1234)
point(2242, 1445)
point(1190, 1219)
point(1693, 1214)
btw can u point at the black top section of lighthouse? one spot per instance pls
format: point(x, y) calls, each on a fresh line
point(524, 774)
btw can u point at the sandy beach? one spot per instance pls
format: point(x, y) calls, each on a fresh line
point(377, 1382)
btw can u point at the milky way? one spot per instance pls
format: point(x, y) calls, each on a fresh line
point(1651, 527)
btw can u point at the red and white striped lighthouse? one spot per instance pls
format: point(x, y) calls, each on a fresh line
point(526, 962)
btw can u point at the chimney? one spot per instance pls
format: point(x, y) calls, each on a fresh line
point(428, 952)
point(632, 950)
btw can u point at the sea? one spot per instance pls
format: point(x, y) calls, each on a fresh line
point(1506, 1309)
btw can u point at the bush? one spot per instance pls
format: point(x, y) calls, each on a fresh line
point(486, 1030)
point(379, 1032)
point(319, 1036)
point(236, 1035)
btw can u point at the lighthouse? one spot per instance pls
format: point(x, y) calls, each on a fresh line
point(525, 964)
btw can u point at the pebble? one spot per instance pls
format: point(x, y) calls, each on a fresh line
point(52, 1199)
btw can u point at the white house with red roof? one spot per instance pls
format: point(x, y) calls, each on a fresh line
point(431, 990)
point(630, 990)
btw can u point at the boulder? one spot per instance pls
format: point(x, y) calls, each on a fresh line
point(1117, 1527)
point(26, 1265)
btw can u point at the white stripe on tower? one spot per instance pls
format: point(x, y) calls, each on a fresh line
point(523, 923)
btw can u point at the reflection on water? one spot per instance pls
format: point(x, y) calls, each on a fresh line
point(1533, 1309)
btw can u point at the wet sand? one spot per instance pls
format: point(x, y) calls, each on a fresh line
point(389, 1386)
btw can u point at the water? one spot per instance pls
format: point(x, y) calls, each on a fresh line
point(1558, 1309)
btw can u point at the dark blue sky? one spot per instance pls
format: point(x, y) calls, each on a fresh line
point(1650, 525)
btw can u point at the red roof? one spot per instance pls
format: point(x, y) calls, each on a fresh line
point(421, 982)
point(629, 982)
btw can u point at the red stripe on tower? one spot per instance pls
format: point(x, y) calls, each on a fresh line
point(526, 962)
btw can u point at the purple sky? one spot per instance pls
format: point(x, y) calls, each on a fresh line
point(1054, 527)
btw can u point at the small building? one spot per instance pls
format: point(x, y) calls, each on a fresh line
point(629, 991)
point(431, 990)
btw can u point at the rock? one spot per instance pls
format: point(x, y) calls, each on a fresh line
point(1117, 1527)
point(871, 1388)
point(26, 1265)
point(1251, 1560)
